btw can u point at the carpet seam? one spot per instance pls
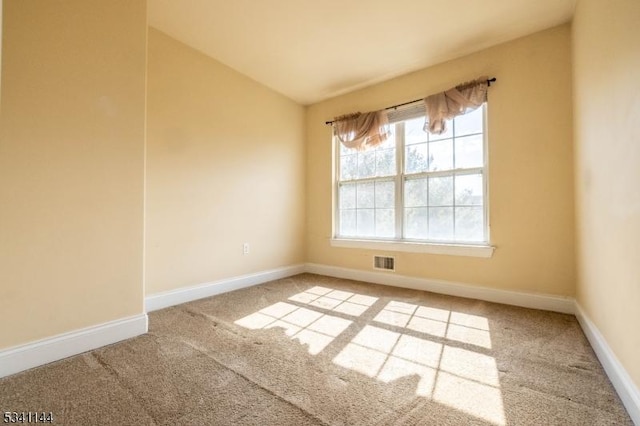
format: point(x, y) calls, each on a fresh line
point(551, 395)
point(110, 370)
point(207, 354)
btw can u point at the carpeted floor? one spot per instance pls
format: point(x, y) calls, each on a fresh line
point(313, 350)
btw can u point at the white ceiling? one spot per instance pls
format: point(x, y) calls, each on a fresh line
point(312, 50)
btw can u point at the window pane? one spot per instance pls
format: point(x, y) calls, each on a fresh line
point(441, 155)
point(385, 193)
point(377, 162)
point(469, 123)
point(365, 223)
point(391, 140)
point(469, 190)
point(441, 191)
point(347, 223)
point(366, 164)
point(344, 150)
point(469, 224)
point(414, 131)
point(385, 223)
point(469, 152)
point(385, 162)
point(416, 158)
point(348, 196)
point(365, 195)
point(441, 223)
point(415, 223)
point(447, 134)
point(348, 167)
point(415, 193)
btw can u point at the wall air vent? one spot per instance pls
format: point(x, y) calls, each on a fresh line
point(384, 262)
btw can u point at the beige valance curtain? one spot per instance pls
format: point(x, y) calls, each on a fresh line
point(362, 130)
point(450, 103)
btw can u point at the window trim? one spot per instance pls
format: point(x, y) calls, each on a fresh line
point(481, 249)
point(470, 250)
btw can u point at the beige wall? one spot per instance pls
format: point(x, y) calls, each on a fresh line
point(606, 58)
point(1, 7)
point(530, 167)
point(71, 165)
point(225, 165)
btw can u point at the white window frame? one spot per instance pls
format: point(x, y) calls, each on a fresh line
point(480, 249)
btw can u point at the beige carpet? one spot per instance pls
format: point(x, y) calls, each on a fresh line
point(313, 350)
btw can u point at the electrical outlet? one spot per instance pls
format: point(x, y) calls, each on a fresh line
point(245, 248)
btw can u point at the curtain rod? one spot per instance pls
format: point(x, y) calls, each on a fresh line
point(489, 81)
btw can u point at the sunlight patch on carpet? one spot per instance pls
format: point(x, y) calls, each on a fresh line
point(459, 378)
point(456, 326)
point(335, 300)
point(396, 344)
point(308, 327)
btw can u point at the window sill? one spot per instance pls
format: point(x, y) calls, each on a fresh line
point(480, 250)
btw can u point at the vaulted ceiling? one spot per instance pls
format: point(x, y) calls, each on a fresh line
point(312, 50)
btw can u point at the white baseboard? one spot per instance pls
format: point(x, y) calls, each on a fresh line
point(528, 300)
point(20, 358)
point(622, 382)
point(188, 294)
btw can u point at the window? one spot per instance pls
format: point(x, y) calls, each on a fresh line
point(416, 187)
